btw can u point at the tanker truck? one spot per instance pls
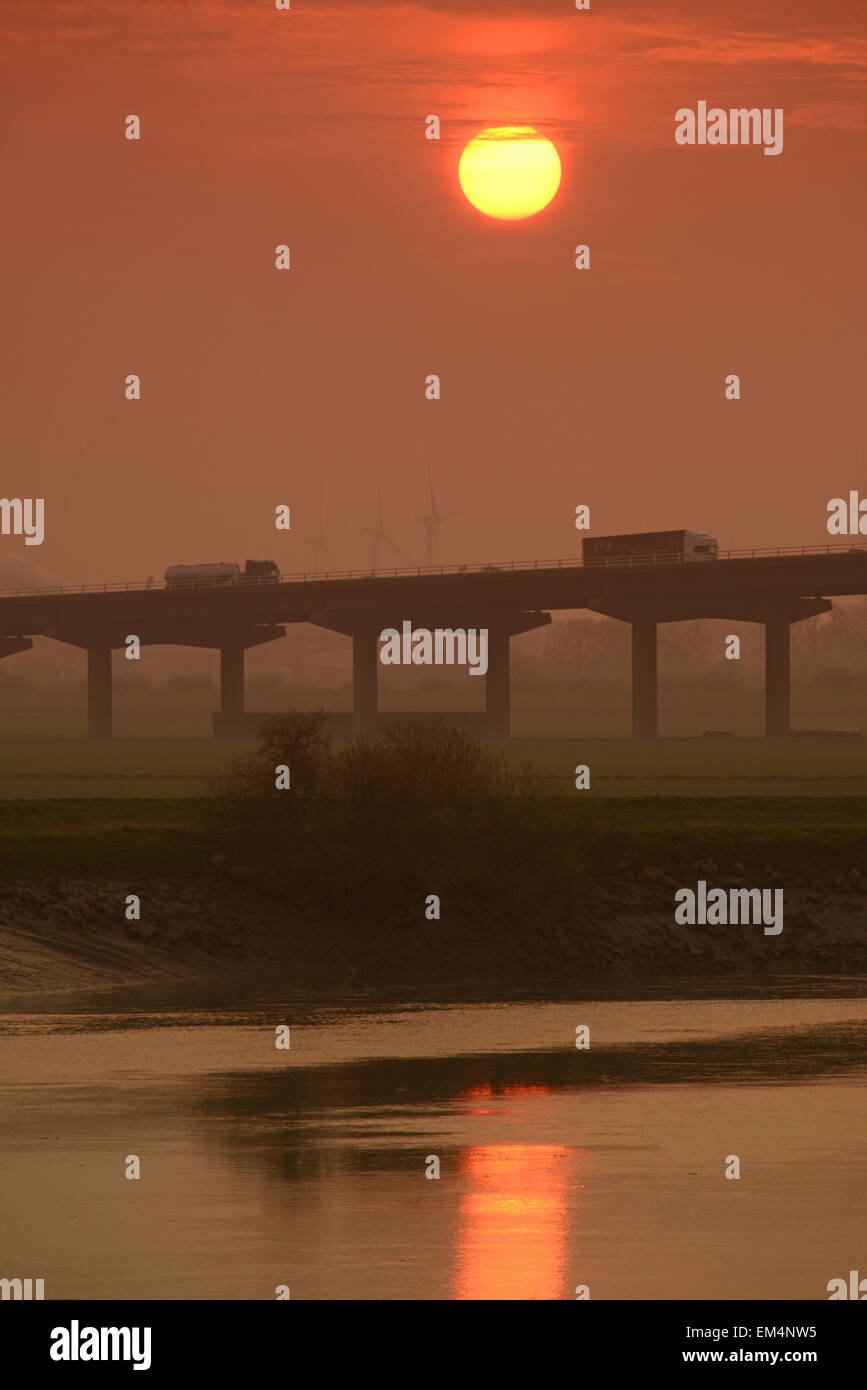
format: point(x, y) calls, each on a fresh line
point(220, 573)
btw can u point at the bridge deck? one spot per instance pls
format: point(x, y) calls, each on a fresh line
point(775, 587)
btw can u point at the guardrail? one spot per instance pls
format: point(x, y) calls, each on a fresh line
point(504, 567)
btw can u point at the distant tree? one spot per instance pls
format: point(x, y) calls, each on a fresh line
point(198, 682)
point(247, 789)
point(132, 682)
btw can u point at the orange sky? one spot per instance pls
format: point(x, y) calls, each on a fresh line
point(559, 386)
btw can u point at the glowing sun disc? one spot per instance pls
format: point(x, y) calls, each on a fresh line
point(509, 171)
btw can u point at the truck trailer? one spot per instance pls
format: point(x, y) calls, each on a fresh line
point(215, 572)
point(649, 547)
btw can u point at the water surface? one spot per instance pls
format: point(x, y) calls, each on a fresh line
point(559, 1167)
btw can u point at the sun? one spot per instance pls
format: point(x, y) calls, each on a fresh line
point(509, 171)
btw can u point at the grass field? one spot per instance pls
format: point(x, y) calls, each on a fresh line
point(35, 769)
point(701, 767)
point(165, 838)
point(163, 747)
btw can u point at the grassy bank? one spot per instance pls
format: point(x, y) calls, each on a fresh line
point(336, 877)
point(176, 838)
point(161, 768)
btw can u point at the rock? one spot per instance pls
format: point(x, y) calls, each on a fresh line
point(241, 871)
point(739, 869)
point(217, 858)
point(705, 866)
point(655, 875)
point(143, 930)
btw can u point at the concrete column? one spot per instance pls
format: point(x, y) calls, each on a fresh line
point(365, 661)
point(99, 691)
point(498, 695)
point(232, 679)
point(644, 695)
point(778, 696)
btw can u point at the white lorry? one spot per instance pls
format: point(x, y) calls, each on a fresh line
point(649, 547)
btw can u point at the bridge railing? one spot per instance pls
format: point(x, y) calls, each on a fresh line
point(503, 567)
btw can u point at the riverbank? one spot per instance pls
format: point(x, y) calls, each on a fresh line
point(72, 933)
point(527, 889)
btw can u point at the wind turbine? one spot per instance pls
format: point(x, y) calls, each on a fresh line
point(433, 521)
point(320, 550)
point(379, 533)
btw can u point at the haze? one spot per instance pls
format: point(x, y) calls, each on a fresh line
point(559, 387)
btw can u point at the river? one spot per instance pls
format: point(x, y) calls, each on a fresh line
point(560, 1167)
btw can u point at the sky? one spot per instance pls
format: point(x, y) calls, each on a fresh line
point(559, 387)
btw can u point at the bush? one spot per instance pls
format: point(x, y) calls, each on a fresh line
point(417, 764)
point(293, 740)
point(373, 826)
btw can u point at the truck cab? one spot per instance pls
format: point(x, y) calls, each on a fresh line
point(262, 571)
point(698, 546)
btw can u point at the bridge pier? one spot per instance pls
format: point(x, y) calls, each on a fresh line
point(232, 678)
point(776, 616)
point(644, 679)
point(498, 694)
point(230, 641)
point(365, 679)
point(99, 691)
point(501, 624)
point(778, 688)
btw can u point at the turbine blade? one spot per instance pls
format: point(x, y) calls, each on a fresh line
point(396, 549)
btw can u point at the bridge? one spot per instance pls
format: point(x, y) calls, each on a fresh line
point(775, 587)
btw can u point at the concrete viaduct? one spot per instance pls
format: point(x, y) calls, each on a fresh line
point(775, 588)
